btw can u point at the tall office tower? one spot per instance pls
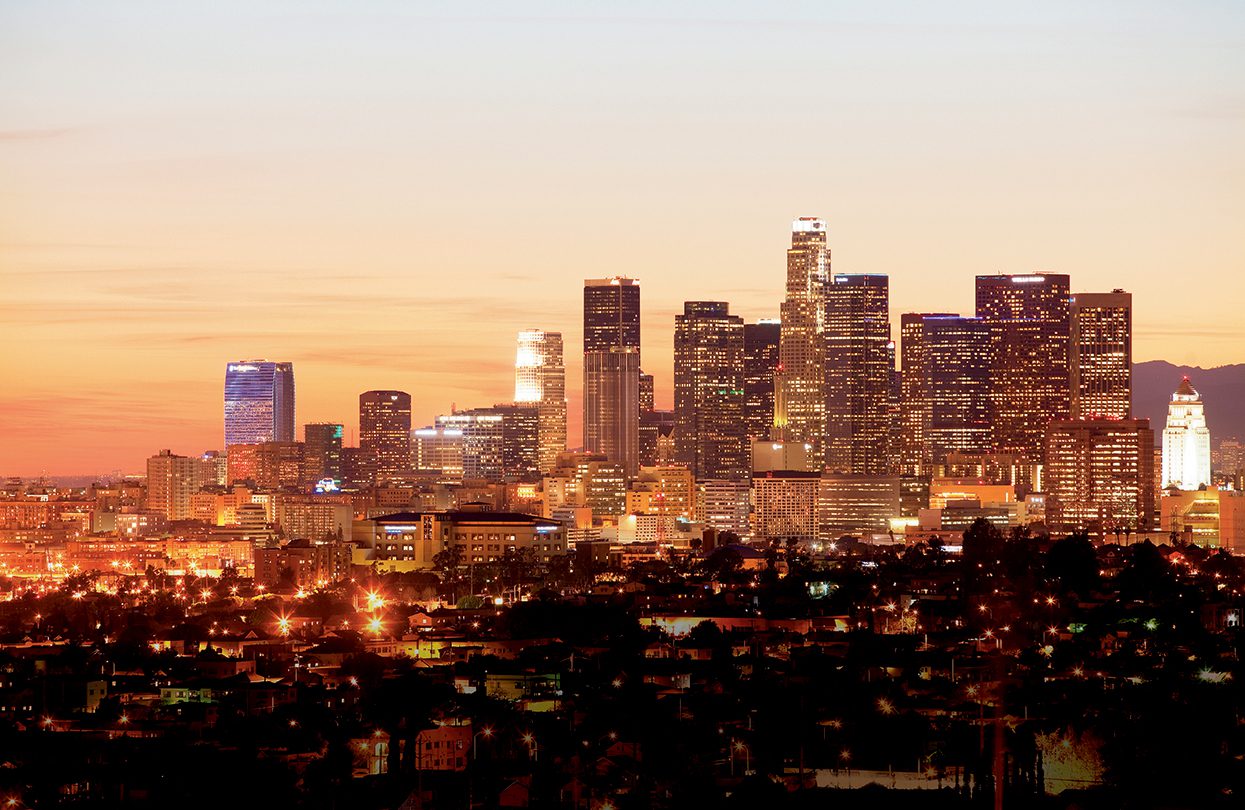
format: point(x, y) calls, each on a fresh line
point(760, 360)
point(1028, 317)
point(171, 480)
point(259, 402)
point(1099, 475)
point(1186, 440)
point(647, 392)
point(945, 390)
point(385, 430)
point(800, 407)
point(709, 432)
point(857, 375)
point(540, 379)
point(1101, 363)
point(612, 370)
point(322, 451)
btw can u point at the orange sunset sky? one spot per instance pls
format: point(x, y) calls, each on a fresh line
point(385, 193)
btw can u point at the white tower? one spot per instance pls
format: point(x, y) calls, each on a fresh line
point(1186, 441)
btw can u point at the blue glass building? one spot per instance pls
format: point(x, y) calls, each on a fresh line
point(259, 402)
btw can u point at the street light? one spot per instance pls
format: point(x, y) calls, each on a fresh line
point(736, 747)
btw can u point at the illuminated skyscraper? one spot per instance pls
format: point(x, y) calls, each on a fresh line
point(612, 370)
point(259, 402)
point(1029, 381)
point(385, 430)
point(945, 390)
point(760, 359)
point(857, 379)
point(1186, 440)
point(540, 379)
point(709, 431)
point(322, 454)
point(1101, 365)
point(800, 405)
point(1099, 475)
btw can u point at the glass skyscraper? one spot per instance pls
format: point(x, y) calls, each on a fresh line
point(612, 370)
point(259, 402)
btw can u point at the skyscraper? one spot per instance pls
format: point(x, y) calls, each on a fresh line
point(259, 402)
point(800, 404)
point(1186, 440)
point(1029, 381)
point(1101, 364)
point(945, 390)
point(322, 452)
point(1099, 475)
point(709, 431)
point(540, 379)
point(857, 374)
point(385, 430)
point(760, 360)
point(612, 370)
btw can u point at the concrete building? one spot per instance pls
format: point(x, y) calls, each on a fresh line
point(1101, 363)
point(1099, 475)
point(1186, 441)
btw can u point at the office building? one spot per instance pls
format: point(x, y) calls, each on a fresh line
point(612, 369)
point(540, 380)
point(438, 450)
point(761, 340)
point(857, 505)
point(1099, 475)
point(1101, 362)
point(945, 390)
point(1029, 380)
point(709, 429)
point(724, 506)
point(800, 399)
point(498, 444)
point(322, 452)
point(385, 430)
point(259, 402)
point(1186, 440)
point(858, 366)
point(784, 504)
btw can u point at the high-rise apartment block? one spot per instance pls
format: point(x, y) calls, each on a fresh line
point(800, 400)
point(385, 430)
point(709, 391)
point(857, 377)
point(1101, 364)
point(540, 380)
point(259, 402)
point(1029, 323)
point(172, 480)
point(612, 369)
point(761, 341)
point(945, 390)
point(1186, 440)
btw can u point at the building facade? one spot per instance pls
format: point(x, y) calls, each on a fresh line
point(1029, 379)
point(761, 341)
point(611, 400)
point(709, 425)
point(858, 366)
point(800, 403)
point(385, 430)
point(1186, 440)
point(1099, 475)
point(540, 380)
point(259, 402)
point(1101, 363)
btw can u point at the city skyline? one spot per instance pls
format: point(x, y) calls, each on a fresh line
point(163, 232)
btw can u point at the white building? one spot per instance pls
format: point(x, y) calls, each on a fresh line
point(1186, 441)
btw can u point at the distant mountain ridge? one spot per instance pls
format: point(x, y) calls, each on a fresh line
point(1222, 389)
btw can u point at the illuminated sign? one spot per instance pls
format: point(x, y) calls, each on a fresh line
point(242, 367)
point(328, 485)
point(1028, 279)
